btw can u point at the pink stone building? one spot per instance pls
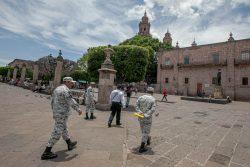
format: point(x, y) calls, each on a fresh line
point(198, 69)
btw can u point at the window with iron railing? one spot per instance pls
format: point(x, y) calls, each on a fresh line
point(244, 81)
point(166, 80)
point(214, 80)
point(168, 62)
point(186, 60)
point(245, 55)
point(216, 58)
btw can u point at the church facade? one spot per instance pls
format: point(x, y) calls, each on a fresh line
point(199, 70)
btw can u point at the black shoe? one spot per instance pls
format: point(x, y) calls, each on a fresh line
point(142, 148)
point(109, 124)
point(87, 116)
point(149, 140)
point(92, 116)
point(47, 154)
point(71, 145)
point(119, 124)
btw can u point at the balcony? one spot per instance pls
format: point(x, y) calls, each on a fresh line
point(240, 62)
point(202, 64)
point(163, 66)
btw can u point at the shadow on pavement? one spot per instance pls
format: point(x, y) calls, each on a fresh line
point(170, 102)
point(63, 156)
point(135, 150)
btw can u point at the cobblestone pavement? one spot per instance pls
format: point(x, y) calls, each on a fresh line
point(25, 126)
point(185, 134)
point(193, 134)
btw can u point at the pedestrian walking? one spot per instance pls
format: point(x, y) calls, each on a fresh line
point(136, 91)
point(90, 101)
point(129, 93)
point(165, 94)
point(61, 102)
point(117, 102)
point(145, 106)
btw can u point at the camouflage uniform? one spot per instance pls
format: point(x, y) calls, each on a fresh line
point(145, 104)
point(90, 100)
point(61, 102)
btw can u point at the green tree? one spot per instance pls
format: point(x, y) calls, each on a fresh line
point(152, 44)
point(80, 75)
point(46, 77)
point(130, 62)
point(29, 74)
point(4, 70)
point(83, 62)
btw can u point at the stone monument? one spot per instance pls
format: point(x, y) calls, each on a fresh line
point(106, 81)
point(218, 92)
point(35, 72)
point(58, 70)
point(14, 73)
point(218, 89)
point(23, 74)
point(8, 75)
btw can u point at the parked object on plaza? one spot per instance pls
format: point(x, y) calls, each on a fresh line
point(61, 103)
point(117, 102)
point(145, 106)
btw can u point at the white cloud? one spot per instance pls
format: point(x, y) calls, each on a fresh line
point(77, 24)
point(4, 62)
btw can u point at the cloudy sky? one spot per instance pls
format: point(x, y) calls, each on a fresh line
point(31, 29)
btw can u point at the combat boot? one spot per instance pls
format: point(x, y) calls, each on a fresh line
point(47, 154)
point(87, 116)
point(109, 124)
point(142, 148)
point(92, 116)
point(71, 145)
point(118, 123)
point(149, 140)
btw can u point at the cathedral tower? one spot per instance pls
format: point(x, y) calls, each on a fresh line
point(144, 26)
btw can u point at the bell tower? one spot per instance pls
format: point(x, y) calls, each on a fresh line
point(167, 39)
point(144, 26)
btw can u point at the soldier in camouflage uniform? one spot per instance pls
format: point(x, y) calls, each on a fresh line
point(90, 101)
point(61, 102)
point(145, 106)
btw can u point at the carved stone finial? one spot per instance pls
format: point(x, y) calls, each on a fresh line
point(108, 51)
point(177, 44)
point(231, 37)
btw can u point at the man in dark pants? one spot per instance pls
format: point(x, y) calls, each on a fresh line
point(129, 93)
point(117, 101)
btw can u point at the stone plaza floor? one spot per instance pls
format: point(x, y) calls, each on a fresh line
point(185, 134)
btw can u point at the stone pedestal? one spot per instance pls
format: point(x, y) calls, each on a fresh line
point(218, 92)
point(39, 84)
point(8, 75)
point(35, 73)
point(23, 74)
point(106, 82)
point(58, 70)
point(51, 86)
point(14, 73)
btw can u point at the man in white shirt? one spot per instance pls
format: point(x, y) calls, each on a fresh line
point(117, 101)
